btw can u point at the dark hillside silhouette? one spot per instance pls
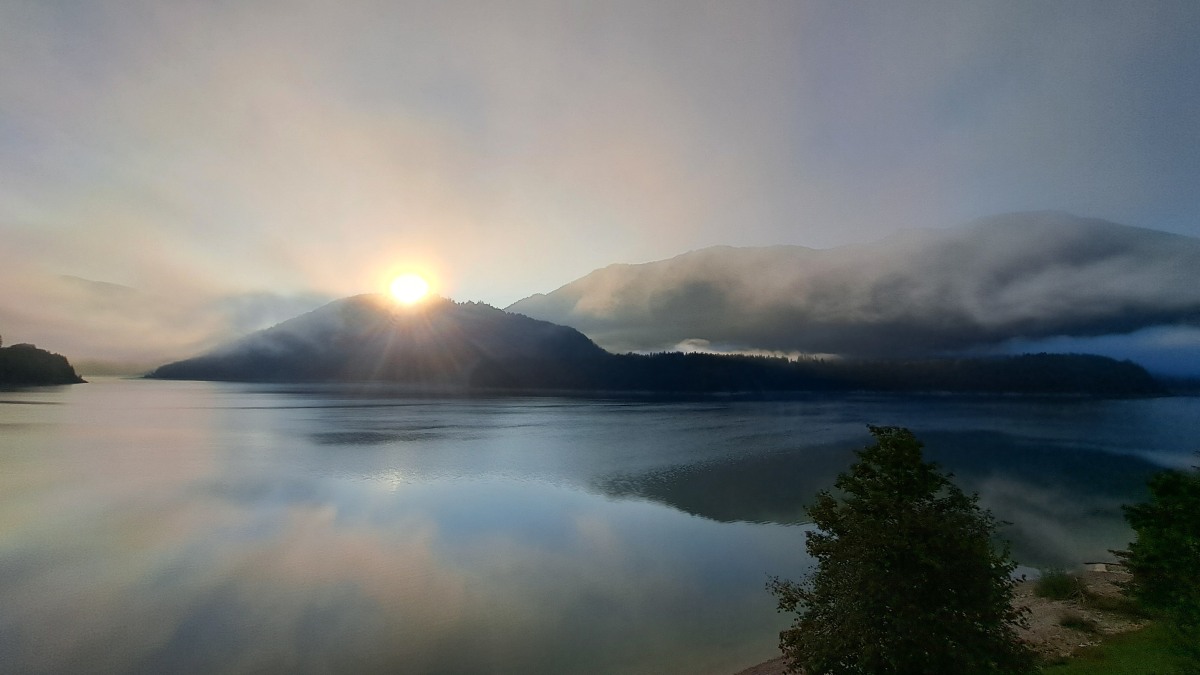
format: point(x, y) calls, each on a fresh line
point(369, 338)
point(443, 344)
point(25, 364)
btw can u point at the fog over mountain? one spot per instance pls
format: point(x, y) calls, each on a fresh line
point(1015, 277)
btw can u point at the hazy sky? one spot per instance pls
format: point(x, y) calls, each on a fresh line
point(201, 151)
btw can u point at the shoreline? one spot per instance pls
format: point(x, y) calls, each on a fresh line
point(1052, 641)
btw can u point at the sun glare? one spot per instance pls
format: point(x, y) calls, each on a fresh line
point(408, 289)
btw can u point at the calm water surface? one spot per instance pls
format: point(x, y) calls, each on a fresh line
point(210, 528)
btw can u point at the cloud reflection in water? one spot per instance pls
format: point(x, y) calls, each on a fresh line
point(155, 527)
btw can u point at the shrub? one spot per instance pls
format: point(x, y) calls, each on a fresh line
point(1077, 621)
point(1117, 605)
point(1164, 559)
point(907, 578)
point(1059, 585)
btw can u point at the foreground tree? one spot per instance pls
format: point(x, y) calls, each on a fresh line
point(907, 580)
point(1165, 558)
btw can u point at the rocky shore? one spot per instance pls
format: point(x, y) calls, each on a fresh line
point(1094, 613)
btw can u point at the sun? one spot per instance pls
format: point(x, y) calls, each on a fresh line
point(408, 289)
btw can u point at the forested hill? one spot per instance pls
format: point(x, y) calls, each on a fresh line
point(1035, 374)
point(444, 344)
point(24, 364)
point(438, 344)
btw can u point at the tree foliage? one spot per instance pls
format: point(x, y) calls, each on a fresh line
point(908, 579)
point(1165, 558)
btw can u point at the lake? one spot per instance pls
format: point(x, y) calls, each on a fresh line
point(153, 526)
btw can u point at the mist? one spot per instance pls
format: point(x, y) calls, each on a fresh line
point(113, 329)
point(998, 281)
point(218, 149)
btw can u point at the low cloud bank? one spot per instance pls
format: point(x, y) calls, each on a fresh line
point(1024, 276)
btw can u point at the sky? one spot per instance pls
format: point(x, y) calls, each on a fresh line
point(173, 173)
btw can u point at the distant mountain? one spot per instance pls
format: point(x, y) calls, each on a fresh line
point(25, 364)
point(447, 345)
point(369, 338)
point(921, 292)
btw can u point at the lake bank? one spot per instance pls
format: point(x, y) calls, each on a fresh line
point(1100, 610)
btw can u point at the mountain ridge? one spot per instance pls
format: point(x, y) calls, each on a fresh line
point(443, 346)
point(368, 337)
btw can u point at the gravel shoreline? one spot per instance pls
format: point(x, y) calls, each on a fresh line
point(1051, 640)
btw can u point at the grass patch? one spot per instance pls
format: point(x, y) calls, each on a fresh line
point(1077, 621)
point(1058, 585)
point(1117, 605)
point(1143, 652)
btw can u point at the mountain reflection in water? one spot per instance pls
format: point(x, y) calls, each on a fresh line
point(190, 527)
point(1059, 501)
